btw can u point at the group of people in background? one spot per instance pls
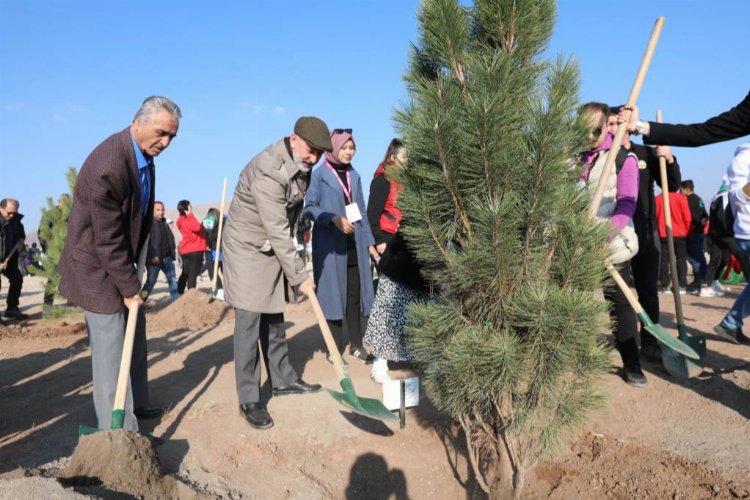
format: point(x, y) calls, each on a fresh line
point(638, 239)
point(114, 210)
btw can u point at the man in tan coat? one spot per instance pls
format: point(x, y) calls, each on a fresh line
point(260, 255)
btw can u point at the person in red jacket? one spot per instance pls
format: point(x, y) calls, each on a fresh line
point(382, 212)
point(681, 219)
point(192, 247)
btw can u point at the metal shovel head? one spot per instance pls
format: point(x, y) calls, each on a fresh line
point(665, 338)
point(678, 365)
point(367, 407)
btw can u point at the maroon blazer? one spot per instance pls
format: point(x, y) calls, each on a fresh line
point(106, 229)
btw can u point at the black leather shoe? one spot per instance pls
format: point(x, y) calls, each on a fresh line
point(298, 387)
point(256, 415)
point(148, 413)
point(15, 314)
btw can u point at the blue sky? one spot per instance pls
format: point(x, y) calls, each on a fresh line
point(74, 72)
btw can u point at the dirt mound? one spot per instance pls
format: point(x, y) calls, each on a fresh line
point(603, 467)
point(123, 461)
point(43, 328)
point(191, 311)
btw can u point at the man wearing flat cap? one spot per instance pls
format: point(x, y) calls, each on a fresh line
point(260, 257)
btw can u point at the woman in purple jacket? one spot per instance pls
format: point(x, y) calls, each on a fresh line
point(617, 208)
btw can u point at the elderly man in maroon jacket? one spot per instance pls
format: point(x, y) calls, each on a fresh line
point(111, 217)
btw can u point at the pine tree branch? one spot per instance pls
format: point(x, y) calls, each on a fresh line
point(457, 202)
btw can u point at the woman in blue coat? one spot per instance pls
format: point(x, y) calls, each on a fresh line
point(342, 243)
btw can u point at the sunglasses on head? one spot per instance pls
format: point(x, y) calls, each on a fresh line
point(342, 131)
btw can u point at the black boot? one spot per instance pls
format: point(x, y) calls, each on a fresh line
point(631, 365)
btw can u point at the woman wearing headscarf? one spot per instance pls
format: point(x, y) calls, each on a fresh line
point(342, 244)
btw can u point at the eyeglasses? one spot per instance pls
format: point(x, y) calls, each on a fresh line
point(342, 131)
point(597, 132)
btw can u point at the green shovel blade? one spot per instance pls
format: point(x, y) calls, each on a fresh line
point(367, 407)
point(678, 365)
point(665, 338)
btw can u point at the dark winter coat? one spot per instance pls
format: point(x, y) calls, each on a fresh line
point(399, 264)
point(726, 126)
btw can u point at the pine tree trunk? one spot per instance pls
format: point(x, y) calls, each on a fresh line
point(502, 488)
point(509, 483)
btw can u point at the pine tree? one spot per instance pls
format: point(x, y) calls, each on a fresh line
point(53, 229)
point(513, 347)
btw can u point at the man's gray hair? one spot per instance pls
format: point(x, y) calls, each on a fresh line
point(153, 105)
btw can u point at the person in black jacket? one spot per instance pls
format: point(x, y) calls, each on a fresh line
point(729, 125)
point(12, 237)
point(645, 264)
point(695, 239)
point(161, 254)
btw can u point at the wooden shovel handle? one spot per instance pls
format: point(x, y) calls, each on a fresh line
point(622, 128)
point(127, 355)
point(625, 289)
point(218, 237)
point(670, 237)
point(338, 361)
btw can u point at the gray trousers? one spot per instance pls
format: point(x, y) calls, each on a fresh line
point(249, 328)
point(106, 337)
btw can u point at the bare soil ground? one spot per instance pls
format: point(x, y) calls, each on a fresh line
point(669, 440)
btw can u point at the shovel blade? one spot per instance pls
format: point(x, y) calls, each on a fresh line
point(85, 430)
point(665, 338)
point(367, 407)
point(678, 365)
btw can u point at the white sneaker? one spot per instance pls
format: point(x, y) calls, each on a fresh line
point(220, 294)
point(716, 285)
point(708, 291)
point(379, 371)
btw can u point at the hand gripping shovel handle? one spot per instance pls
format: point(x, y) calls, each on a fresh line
point(338, 361)
point(218, 243)
point(118, 412)
point(622, 128)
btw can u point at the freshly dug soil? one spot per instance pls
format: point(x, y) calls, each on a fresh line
point(191, 311)
point(121, 460)
point(603, 467)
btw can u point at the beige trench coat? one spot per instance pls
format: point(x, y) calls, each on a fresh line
point(257, 241)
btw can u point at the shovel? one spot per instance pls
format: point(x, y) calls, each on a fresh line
point(368, 407)
point(118, 412)
point(654, 329)
point(657, 331)
point(676, 364)
point(212, 295)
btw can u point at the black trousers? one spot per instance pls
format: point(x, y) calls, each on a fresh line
point(680, 252)
point(349, 330)
point(645, 266)
point(191, 268)
point(15, 282)
point(720, 250)
point(625, 324)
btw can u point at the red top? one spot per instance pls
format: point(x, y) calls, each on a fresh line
point(390, 219)
point(193, 236)
point(680, 212)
